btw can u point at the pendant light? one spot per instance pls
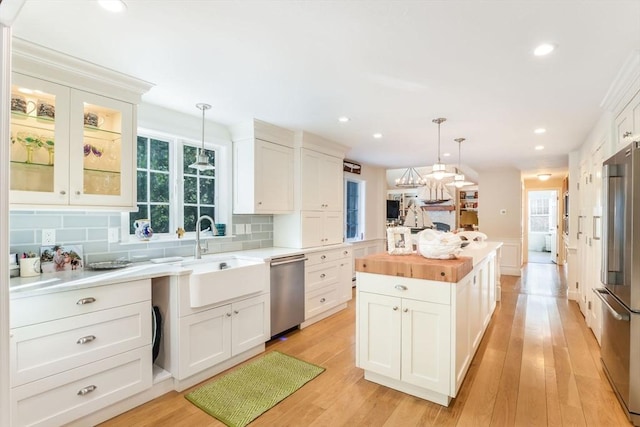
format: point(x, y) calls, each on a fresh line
point(202, 160)
point(458, 179)
point(410, 179)
point(439, 170)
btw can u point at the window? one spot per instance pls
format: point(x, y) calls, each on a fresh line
point(354, 209)
point(539, 215)
point(170, 194)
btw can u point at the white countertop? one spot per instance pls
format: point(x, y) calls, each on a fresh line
point(21, 287)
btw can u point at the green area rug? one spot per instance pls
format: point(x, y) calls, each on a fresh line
point(243, 395)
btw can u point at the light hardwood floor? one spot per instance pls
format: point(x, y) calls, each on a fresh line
point(538, 365)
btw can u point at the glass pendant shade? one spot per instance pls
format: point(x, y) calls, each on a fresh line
point(439, 169)
point(458, 180)
point(202, 160)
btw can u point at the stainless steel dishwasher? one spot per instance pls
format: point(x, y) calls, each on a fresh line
point(287, 293)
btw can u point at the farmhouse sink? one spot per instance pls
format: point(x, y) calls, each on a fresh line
point(218, 279)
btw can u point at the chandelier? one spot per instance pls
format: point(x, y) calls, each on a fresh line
point(410, 179)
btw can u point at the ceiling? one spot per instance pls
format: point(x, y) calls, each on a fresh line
point(390, 66)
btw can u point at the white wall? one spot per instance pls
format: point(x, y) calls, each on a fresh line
point(375, 200)
point(502, 190)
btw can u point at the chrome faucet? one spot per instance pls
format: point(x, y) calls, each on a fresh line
point(213, 230)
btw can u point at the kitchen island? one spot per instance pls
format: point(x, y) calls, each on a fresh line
point(419, 321)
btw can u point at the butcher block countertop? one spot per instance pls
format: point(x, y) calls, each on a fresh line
point(416, 266)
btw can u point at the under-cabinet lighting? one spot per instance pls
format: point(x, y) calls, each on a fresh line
point(25, 90)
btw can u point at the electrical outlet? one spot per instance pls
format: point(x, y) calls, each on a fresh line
point(48, 236)
point(247, 228)
point(239, 229)
point(113, 235)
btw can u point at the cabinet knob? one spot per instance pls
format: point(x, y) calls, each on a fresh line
point(395, 308)
point(627, 134)
point(63, 192)
point(322, 300)
point(83, 301)
point(406, 310)
point(322, 276)
point(323, 257)
point(236, 312)
point(259, 203)
point(86, 339)
point(346, 252)
point(78, 192)
point(400, 287)
point(228, 314)
point(86, 390)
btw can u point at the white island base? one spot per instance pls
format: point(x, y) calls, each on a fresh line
point(419, 336)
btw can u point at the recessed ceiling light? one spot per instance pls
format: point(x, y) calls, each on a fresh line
point(377, 135)
point(113, 5)
point(544, 176)
point(446, 154)
point(544, 49)
point(539, 147)
point(343, 119)
point(539, 131)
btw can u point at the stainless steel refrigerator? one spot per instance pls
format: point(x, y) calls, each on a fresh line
point(620, 346)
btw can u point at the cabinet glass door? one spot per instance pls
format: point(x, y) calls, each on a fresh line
point(39, 141)
point(101, 143)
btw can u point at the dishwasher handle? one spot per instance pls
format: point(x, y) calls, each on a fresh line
point(616, 315)
point(277, 262)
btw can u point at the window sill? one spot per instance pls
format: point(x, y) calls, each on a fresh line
point(168, 239)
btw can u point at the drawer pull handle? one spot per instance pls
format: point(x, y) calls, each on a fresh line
point(395, 308)
point(84, 301)
point(322, 276)
point(86, 390)
point(627, 134)
point(322, 300)
point(401, 287)
point(323, 256)
point(86, 339)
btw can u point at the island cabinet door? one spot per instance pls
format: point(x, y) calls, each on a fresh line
point(426, 345)
point(380, 335)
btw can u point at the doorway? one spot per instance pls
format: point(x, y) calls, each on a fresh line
point(542, 226)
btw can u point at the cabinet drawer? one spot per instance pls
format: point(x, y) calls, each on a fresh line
point(48, 348)
point(423, 290)
point(319, 276)
point(316, 258)
point(61, 398)
point(321, 300)
point(42, 308)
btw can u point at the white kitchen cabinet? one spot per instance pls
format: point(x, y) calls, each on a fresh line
point(212, 336)
point(72, 137)
point(321, 180)
point(321, 228)
point(75, 352)
point(627, 123)
point(318, 219)
point(406, 340)
point(263, 172)
point(327, 283)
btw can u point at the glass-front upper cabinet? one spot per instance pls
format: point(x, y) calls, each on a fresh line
point(102, 144)
point(39, 141)
point(69, 147)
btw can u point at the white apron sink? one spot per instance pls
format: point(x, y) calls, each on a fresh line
point(214, 280)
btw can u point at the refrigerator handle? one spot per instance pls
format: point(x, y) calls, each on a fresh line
point(605, 226)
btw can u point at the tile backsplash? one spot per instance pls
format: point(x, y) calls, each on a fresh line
point(91, 229)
